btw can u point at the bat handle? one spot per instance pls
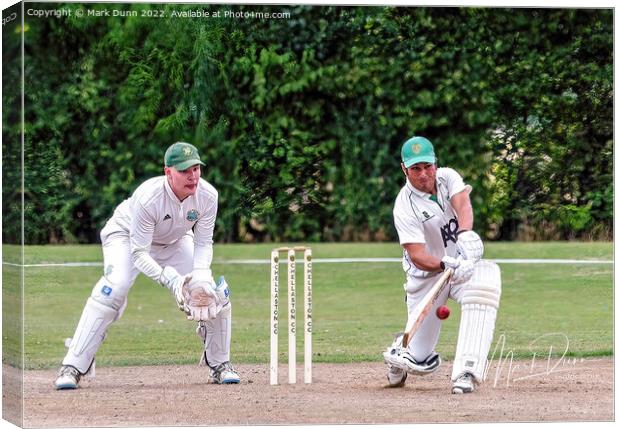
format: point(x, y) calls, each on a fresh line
point(405, 340)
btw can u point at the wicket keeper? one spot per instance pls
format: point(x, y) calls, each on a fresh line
point(165, 231)
point(434, 220)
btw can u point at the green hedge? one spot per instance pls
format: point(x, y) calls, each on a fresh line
point(301, 120)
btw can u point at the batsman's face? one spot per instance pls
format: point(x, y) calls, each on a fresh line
point(422, 176)
point(183, 183)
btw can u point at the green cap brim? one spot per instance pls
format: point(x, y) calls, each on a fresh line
point(430, 159)
point(182, 166)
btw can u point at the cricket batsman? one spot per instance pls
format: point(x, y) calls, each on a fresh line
point(165, 231)
point(434, 220)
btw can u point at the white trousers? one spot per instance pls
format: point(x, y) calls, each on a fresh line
point(425, 339)
point(120, 271)
point(108, 298)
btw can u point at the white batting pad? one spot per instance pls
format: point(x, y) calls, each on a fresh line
point(110, 295)
point(479, 303)
point(218, 333)
point(89, 334)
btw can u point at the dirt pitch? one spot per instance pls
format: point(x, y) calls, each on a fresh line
point(572, 390)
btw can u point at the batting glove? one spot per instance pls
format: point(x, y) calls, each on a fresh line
point(463, 268)
point(469, 245)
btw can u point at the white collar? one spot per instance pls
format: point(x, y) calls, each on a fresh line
point(170, 192)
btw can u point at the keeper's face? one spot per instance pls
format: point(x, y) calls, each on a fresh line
point(422, 176)
point(183, 183)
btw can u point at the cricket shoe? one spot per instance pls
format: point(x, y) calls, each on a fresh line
point(68, 378)
point(396, 376)
point(463, 384)
point(224, 373)
point(401, 358)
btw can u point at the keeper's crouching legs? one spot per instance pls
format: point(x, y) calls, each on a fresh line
point(215, 335)
point(104, 306)
point(479, 299)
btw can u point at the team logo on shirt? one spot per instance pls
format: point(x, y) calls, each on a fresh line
point(427, 216)
point(192, 215)
point(448, 232)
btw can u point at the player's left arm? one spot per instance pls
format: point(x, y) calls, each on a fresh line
point(140, 238)
point(203, 237)
point(202, 299)
point(464, 211)
point(469, 244)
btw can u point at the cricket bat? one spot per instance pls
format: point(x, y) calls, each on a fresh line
point(418, 315)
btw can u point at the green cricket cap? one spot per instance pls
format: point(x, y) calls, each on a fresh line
point(182, 156)
point(417, 149)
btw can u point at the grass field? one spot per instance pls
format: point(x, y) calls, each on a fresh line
point(357, 306)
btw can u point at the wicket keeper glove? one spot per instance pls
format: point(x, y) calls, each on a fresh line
point(175, 283)
point(222, 291)
point(463, 268)
point(469, 245)
point(200, 296)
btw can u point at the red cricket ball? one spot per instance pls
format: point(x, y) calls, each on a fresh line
point(443, 312)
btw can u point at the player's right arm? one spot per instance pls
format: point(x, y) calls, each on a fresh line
point(411, 234)
point(422, 259)
point(141, 237)
point(463, 269)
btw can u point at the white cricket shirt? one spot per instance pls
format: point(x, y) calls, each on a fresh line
point(419, 219)
point(153, 215)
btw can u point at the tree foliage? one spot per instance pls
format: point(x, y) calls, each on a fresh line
point(300, 120)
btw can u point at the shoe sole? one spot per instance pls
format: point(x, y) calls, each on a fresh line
point(396, 364)
point(66, 387)
point(460, 391)
point(408, 370)
point(226, 382)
